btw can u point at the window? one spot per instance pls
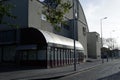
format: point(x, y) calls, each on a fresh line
point(24, 56)
point(84, 31)
point(7, 36)
point(67, 24)
point(32, 55)
point(43, 17)
point(41, 0)
point(50, 3)
point(97, 37)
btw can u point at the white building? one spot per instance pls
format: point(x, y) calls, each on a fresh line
point(94, 45)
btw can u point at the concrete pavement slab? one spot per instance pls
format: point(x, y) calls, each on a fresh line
point(43, 74)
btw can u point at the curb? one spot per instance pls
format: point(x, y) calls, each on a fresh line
point(66, 74)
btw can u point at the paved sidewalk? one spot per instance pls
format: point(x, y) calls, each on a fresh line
point(44, 74)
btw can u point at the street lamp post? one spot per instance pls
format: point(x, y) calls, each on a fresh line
point(101, 30)
point(102, 36)
point(74, 31)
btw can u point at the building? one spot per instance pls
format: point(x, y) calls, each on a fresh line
point(94, 45)
point(36, 42)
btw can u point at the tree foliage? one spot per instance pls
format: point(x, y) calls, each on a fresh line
point(55, 10)
point(5, 10)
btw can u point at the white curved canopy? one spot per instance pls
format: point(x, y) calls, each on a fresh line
point(57, 39)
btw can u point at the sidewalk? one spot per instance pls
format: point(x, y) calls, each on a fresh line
point(44, 74)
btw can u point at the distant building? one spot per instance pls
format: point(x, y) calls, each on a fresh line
point(36, 42)
point(94, 45)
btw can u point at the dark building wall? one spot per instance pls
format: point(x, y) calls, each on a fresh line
point(20, 10)
point(0, 55)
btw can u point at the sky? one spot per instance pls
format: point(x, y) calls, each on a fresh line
point(95, 10)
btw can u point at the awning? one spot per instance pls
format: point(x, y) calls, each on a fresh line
point(44, 38)
point(61, 40)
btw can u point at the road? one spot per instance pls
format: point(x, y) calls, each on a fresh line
point(106, 71)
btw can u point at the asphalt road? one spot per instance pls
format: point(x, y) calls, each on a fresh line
point(106, 71)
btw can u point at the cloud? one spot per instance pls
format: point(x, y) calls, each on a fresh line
point(105, 8)
point(97, 9)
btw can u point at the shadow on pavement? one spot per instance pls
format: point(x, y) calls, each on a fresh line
point(9, 68)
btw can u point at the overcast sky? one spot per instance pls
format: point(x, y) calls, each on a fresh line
point(97, 9)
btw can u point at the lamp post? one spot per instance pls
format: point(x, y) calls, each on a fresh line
point(101, 30)
point(74, 31)
point(102, 36)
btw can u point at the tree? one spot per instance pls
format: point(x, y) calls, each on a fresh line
point(54, 10)
point(110, 42)
point(5, 11)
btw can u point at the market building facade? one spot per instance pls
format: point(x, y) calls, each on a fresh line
point(36, 42)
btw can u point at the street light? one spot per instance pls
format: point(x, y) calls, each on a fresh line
point(74, 32)
point(102, 35)
point(101, 30)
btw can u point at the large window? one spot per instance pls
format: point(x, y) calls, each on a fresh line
point(9, 53)
point(41, 55)
point(32, 55)
point(67, 25)
point(7, 36)
point(24, 56)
